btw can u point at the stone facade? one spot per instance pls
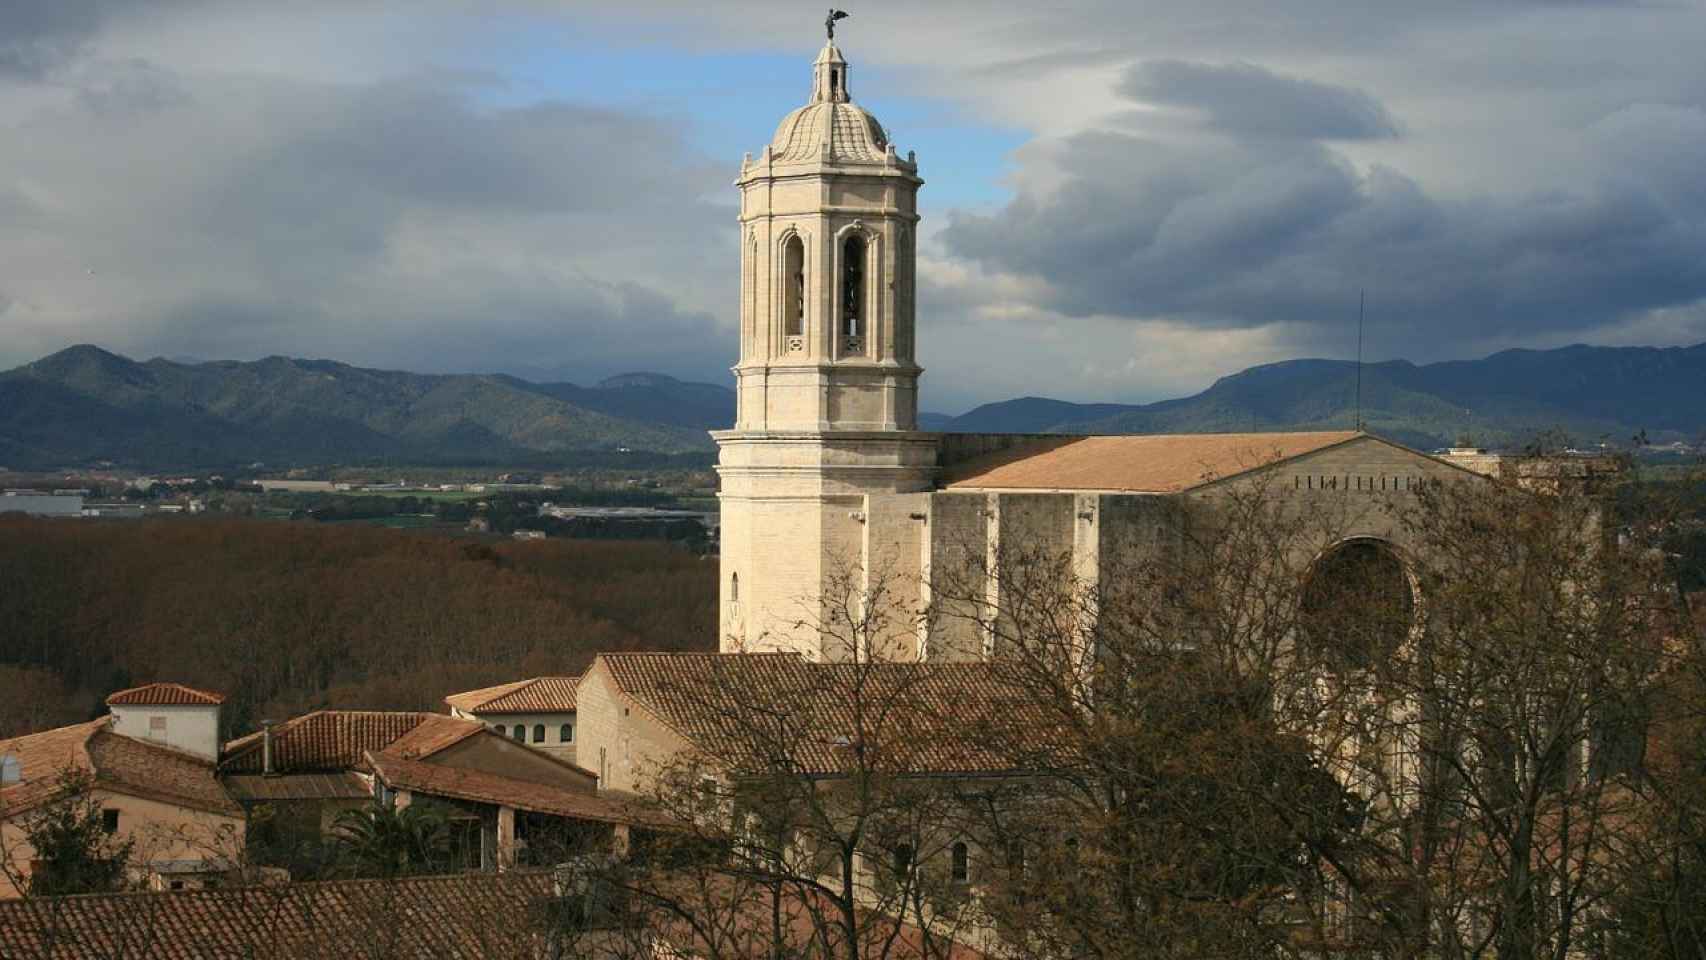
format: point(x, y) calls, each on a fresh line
point(831, 495)
point(827, 383)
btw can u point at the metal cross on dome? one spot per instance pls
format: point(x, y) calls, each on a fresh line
point(829, 21)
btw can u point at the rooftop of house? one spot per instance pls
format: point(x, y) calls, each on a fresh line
point(115, 762)
point(914, 718)
point(480, 786)
point(463, 916)
point(466, 916)
point(328, 741)
point(165, 695)
point(535, 695)
point(1152, 464)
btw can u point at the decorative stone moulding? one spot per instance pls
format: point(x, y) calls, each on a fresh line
point(796, 344)
point(852, 346)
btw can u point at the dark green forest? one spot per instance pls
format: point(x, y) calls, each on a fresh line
point(285, 617)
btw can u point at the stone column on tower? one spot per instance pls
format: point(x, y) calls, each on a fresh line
point(825, 437)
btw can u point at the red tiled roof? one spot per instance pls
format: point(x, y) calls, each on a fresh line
point(165, 695)
point(922, 718)
point(432, 735)
point(116, 762)
point(1157, 463)
point(536, 695)
point(479, 786)
point(258, 787)
point(470, 916)
point(325, 740)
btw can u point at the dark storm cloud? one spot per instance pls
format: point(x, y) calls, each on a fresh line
point(1242, 99)
point(401, 223)
point(1251, 234)
point(39, 35)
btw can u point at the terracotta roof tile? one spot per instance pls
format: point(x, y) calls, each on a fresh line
point(1159, 463)
point(43, 756)
point(535, 695)
point(481, 787)
point(433, 734)
point(149, 769)
point(118, 763)
point(924, 718)
point(325, 740)
point(467, 916)
point(252, 787)
point(165, 695)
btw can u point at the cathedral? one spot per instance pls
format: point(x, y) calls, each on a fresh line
point(826, 479)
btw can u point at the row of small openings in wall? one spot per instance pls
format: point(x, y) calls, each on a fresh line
point(565, 733)
point(853, 268)
point(1353, 482)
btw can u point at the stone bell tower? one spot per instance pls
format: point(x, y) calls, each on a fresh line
point(827, 384)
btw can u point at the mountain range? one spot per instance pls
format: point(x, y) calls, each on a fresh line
point(84, 405)
point(1587, 393)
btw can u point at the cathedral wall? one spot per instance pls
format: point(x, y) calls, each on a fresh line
point(895, 527)
point(1356, 489)
point(1034, 539)
point(956, 544)
point(834, 601)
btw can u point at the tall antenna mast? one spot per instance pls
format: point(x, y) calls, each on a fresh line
point(1362, 299)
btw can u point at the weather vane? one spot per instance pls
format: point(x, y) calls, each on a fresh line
point(829, 21)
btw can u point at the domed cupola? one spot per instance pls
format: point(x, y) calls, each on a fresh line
point(830, 127)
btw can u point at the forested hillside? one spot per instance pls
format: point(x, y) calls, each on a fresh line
point(84, 405)
point(286, 617)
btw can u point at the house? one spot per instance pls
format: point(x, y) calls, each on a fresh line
point(150, 767)
point(640, 710)
point(539, 711)
point(508, 802)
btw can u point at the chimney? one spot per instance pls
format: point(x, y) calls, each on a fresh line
point(266, 749)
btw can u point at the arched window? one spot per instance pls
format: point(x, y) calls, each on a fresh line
point(960, 869)
point(519, 732)
point(1357, 606)
point(734, 588)
point(566, 734)
point(853, 286)
point(794, 287)
point(902, 859)
point(539, 733)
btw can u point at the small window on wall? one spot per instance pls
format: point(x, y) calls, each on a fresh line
point(794, 287)
point(157, 728)
point(853, 286)
point(539, 733)
point(566, 734)
point(109, 821)
point(961, 866)
point(519, 732)
point(734, 588)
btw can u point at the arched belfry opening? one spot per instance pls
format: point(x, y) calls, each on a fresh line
point(1358, 606)
point(794, 289)
point(853, 288)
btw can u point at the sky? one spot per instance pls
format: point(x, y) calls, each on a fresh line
point(1124, 199)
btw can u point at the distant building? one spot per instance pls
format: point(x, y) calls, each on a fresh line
point(539, 711)
point(508, 803)
point(150, 765)
point(42, 504)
